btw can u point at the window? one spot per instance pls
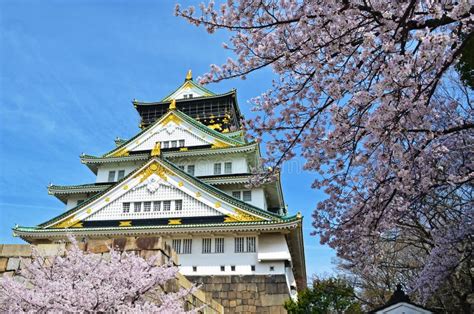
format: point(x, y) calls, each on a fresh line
point(206, 245)
point(246, 196)
point(219, 245)
point(191, 169)
point(272, 268)
point(222, 268)
point(187, 245)
point(166, 206)
point(251, 241)
point(178, 205)
point(177, 246)
point(125, 207)
point(190, 95)
point(236, 194)
point(120, 175)
point(195, 268)
point(232, 268)
point(181, 167)
point(156, 206)
point(228, 167)
point(252, 267)
point(174, 144)
point(112, 176)
point(181, 143)
point(165, 145)
point(147, 206)
point(217, 168)
point(239, 245)
point(137, 207)
point(79, 202)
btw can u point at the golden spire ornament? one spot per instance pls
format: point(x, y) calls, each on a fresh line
point(156, 151)
point(189, 76)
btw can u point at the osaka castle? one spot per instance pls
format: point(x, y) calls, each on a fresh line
point(184, 177)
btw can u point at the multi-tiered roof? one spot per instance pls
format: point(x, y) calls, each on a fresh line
point(191, 124)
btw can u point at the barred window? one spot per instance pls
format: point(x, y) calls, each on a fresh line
point(239, 245)
point(187, 246)
point(219, 245)
point(251, 244)
point(236, 194)
point(112, 176)
point(181, 167)
point(206, 245)
point(228, 167)
point(166, 206)
point(217, 168)
point(120, 175)
point(125, 207)
point(178, 205)
point(247, 196)
point(174, 144)
point(165, 144)
point(137, 207)
point(191, 169)
point(177, 246)
point(147, 206)
point(181, 143)
point(156, 206)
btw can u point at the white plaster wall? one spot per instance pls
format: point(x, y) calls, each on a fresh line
point(72, 200)
point(210, 264)
point(258, 196)
point(103, 171)
point(191, 206)
point(171, 132)
point(403, 308)
point(204, 166)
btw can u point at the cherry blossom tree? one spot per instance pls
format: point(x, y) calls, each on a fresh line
point(361, 92)
point(85, 282)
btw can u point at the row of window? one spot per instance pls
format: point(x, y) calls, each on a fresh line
point(241, 245)
point(217, 168)
point(120, 175)
point(172, 144)
point(232, 268)
point(246, 196)
point(156, 206)
point(190, 169)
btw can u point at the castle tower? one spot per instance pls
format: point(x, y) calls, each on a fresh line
point(183, 177)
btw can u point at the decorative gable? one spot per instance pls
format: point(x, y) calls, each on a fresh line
point(174, 126)
point(189, 89)
point(158, 181)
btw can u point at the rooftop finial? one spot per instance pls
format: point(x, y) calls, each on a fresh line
point(189, 76)
point(172, 104)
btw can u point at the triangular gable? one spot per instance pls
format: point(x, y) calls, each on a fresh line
point(174, 122)
point(159, 170)
point(189, 87)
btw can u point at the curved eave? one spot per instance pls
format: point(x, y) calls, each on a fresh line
point(63, 192)
point(137, 103)
point(36, 233)
point(92, 160)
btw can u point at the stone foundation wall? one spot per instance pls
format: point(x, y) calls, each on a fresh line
point(13, 255)
point(246, 294)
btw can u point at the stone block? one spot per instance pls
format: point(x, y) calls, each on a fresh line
point(15, 250)
point(13, 263)
point(150, 243)
point(51, 249)
point(98, 245)
point(232, 303)
point(3, 264)
point(119, 243)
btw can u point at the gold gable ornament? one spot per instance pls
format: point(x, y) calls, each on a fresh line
point(156, 151)
point(241, 216)
point(172, 104)
point(154, 168)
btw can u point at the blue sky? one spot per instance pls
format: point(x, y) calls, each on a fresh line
point(68, 73)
